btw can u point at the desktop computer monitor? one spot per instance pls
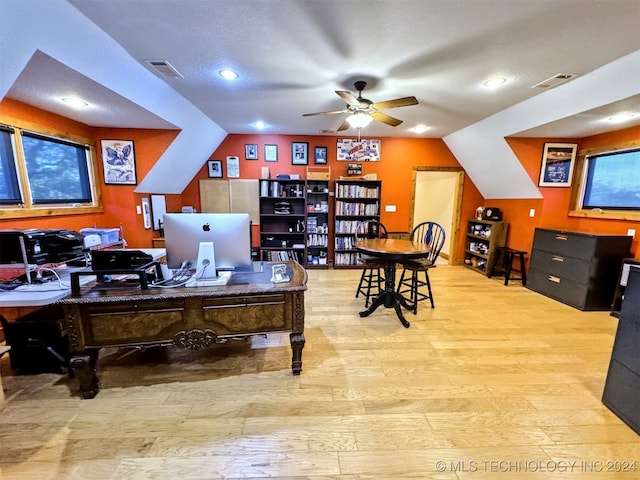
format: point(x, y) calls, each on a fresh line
point(187, 234)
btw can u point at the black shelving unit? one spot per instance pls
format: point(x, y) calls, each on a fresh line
point(357, 200)
point(294, 221)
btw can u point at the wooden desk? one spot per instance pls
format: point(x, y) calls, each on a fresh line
point(391, 250)
point(192, 318)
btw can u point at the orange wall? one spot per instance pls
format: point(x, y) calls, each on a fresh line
point(119, 200)
point(552, 211)
point(398, 158)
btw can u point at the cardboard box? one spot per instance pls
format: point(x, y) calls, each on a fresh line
point(318, 173)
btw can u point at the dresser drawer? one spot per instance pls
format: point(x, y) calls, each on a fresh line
point(561, 266)
point(565, 244)
point(558, 288)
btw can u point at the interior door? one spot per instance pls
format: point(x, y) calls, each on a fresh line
point(437, 196)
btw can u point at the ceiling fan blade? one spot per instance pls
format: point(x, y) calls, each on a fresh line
point(349, 98)
point(384, 118)
point(344, 126)
point(324, 113)
point(398, 102)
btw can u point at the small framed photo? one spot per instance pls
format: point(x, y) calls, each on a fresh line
point(558, 160)
point(271, 153)
point(118, 161)
point(251, 151)
point(320, 155)
point(299, 153)
point(215, 168)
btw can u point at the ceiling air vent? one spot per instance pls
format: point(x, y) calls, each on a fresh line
point(164, 68)
point(328, 131)
point(554, 81)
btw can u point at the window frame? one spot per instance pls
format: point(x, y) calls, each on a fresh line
point(28, 208)
point(580, 181)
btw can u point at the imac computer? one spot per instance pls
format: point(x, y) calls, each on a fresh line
point(209, 243)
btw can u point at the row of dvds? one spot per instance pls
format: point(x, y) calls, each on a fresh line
point(356, 191)
point(356, 209)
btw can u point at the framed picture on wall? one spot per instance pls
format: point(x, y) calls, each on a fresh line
point(271, 153)
point(299, 153)
point(118, 162)
point(320, 155)
point(354, 150)
point(215, 168)
point(558, 160)
point(251, 151)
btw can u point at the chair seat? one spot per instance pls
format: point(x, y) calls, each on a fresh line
point(418, 264)
point(373, 262)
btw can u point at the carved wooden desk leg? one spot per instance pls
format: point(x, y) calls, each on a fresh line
point(297, 344)
point(84, 369)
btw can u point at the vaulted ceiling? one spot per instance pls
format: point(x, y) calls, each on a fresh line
point(292, 55)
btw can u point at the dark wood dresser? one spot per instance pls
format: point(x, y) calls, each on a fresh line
point(578, 269)
point(622, 388)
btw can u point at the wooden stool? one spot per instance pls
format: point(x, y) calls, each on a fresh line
point(508, 255)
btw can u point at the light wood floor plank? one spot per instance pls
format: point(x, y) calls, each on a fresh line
point(492, 374)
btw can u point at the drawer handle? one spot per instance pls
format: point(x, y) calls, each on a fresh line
point(562, 237)
point(556, 258)
point(554, 279)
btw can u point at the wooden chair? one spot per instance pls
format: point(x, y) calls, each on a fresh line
point(410, 282)
point(372, 280)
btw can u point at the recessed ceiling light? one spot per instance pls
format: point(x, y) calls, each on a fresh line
point(495, 82)
point(228, 74)
point(621, 117)
point(419, 128)
point(74, 102)
point(260, 125)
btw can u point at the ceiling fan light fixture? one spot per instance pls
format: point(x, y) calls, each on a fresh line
point(359, 120)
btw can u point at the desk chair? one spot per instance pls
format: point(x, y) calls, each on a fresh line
point(372, 267)
point(410, 282)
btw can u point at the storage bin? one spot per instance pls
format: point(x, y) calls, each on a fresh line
point(107, 235)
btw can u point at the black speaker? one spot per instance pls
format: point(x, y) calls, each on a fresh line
point(112, 260)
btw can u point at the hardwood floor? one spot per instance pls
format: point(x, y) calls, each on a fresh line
point(495, 382)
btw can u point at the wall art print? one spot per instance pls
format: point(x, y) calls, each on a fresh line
point(354, 150)
point(118, 162)
point(557, 164)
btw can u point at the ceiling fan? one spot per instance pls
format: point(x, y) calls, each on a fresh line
point(364, 110)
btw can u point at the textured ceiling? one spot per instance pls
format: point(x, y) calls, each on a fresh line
point(292, 55)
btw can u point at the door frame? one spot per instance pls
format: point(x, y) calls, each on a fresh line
point(457, 209)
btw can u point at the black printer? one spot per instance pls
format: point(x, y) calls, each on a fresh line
point(40, 246)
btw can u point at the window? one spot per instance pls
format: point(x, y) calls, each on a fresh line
point(607, 185)
point(57, 170)
point(44, 175)
point(612, 181)
point(9, 187)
